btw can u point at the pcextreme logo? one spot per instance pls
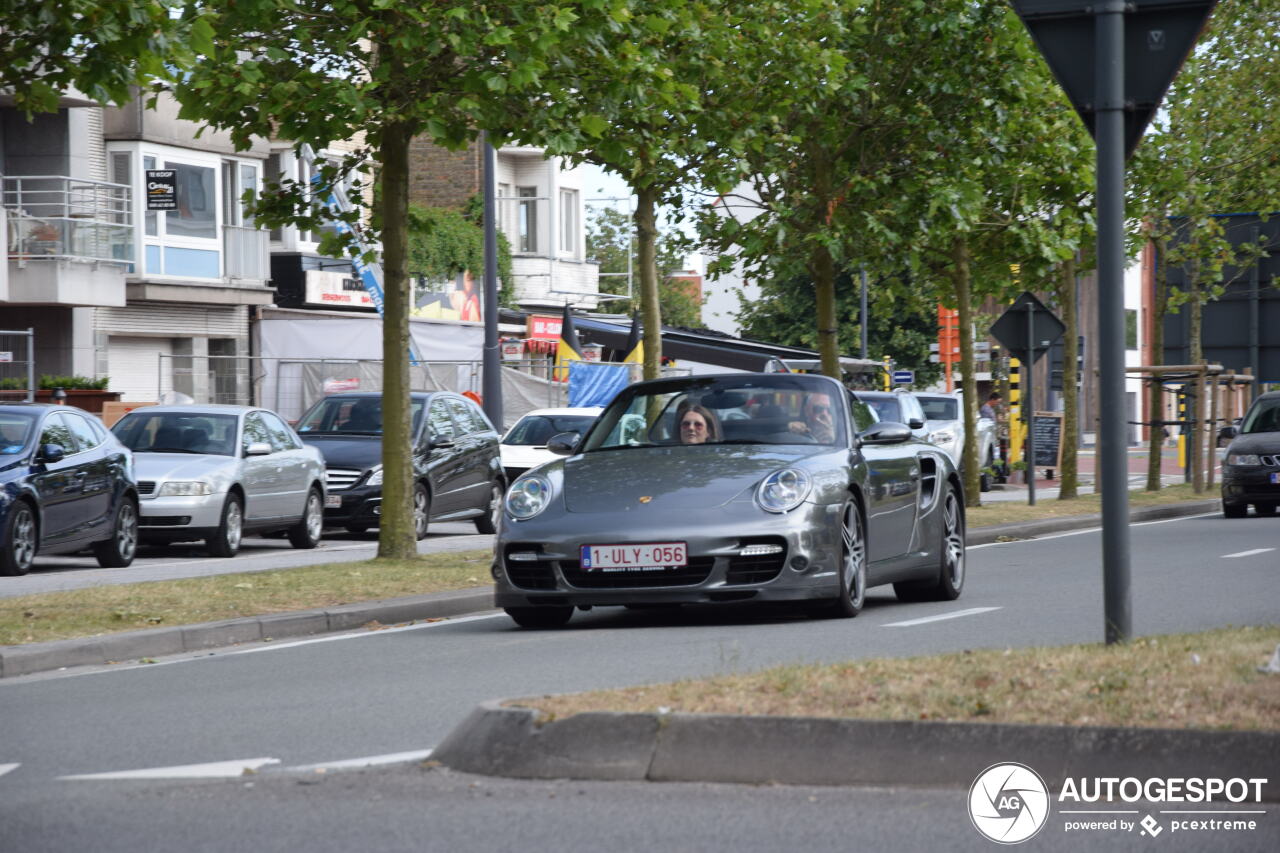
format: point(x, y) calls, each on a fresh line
point(1008, 803)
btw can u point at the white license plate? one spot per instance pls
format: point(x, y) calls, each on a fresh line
point(648, 556)
point(332, 501)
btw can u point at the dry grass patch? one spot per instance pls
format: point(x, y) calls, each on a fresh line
point(129, 607)
point(1006, 512)
point(1196, 681)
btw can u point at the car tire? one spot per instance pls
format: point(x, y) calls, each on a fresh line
point(357, 528)
point(488, 523)
point(853, 563)
point(1265, 509)
point(1234, 510)
point(226, 542)
point(21, 540)
point(306, 533)
point(118, 551)
point(540, 617)
point(951, 559)
point(421, 511)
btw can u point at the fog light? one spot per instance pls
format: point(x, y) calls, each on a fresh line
point(799, 563)
point(496, 572)
point(377, 510)
point(760, 550)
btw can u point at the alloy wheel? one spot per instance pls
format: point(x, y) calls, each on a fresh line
point(23, 544)
point(953, 540)
point(854, 552)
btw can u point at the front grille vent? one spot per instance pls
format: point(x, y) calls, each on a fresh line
point(757, 568)
point(337, 479)
point(1270, 461)
point(528, 574)
point(146, 487)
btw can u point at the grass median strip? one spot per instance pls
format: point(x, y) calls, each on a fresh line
point(130, 607)
point(1088, 503)
point(1185, 681)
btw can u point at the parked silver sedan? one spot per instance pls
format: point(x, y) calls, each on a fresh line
point(218, 472)
point(743, 487)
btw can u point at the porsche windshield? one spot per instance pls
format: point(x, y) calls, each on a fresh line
point(756, 409)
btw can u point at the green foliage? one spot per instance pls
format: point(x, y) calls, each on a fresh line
point(610, 238)
point(902, 322)
point(445, 242)
point(102, 48)
point(68, 382)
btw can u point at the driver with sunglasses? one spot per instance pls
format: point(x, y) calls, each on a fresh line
point(818, 420)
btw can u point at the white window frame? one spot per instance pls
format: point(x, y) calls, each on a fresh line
point(569, 223)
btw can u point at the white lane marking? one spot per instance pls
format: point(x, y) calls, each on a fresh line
point(270, 647)
point(1247, 553)
point(212, 770)
point(5, 768)
point(369, 761)
point(972, 611)
point(1087, 530)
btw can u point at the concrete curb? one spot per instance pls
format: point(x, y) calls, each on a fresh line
point(498, 741)
point(1032, 529)
point(133, 645)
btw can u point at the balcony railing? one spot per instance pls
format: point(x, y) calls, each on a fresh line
point(245, 253)
point(52, 217)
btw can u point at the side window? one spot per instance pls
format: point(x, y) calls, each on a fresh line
point(439, 422)
point(863, 415)
point(81, 429)
point(478, 418)
point(463, 416)
point(255, 431)
point(281, 436)
point(57, 432)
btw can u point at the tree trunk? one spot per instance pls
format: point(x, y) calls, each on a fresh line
point(1159, 305)
point(396, 534)
point(822, 267)
point(970, 464)
point(1070, 482)
point(646, 253)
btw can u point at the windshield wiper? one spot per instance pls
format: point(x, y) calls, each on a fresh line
point(174, 450)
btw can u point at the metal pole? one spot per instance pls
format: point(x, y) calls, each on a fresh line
point(31, 365)
point(1254, 297)
point(491, 383)
point(1029, 405)
point(1113, 455)
point(862, 317)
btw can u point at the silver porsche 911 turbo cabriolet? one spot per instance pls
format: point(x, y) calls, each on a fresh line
point(742, 487)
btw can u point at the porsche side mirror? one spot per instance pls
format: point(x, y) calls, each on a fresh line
point(886, 432)
point(564, 443)
point(51, 453)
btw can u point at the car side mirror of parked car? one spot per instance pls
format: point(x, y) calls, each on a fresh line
point(885, 432)
point(564, 443)
point(915, 423)
point(50, 453)
point(258, 448)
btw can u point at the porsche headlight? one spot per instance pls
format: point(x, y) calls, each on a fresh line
point(1243, 459)
point(185, 488)
point(528, 496)
point(375, 476)
point(783, 491)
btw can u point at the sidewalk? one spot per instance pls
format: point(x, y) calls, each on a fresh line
point(1171, 474)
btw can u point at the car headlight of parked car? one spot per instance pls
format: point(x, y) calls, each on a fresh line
point(1243, 459)
point(186, 488)
point(528, 496)
point(375, 476)
point(783, 491)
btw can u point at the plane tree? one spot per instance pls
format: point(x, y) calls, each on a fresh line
point(377, 74)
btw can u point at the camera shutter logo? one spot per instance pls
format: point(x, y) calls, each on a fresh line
point(1008, 803)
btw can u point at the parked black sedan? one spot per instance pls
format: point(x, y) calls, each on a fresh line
point(457, 468)
point(66, 484)
point(1251, 469)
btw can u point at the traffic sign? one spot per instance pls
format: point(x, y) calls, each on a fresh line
point(1158, 36)
point(1012, 329)
point(904, 377)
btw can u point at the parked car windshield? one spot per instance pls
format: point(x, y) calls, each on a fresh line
point(535, 430)
point(351, 416)
point(940, 408)
point(178, 432)
point(15, 431)
point(885, 409)
point(1264, 417)
point(756, 409)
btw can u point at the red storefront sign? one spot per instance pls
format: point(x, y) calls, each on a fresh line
point(543, 328)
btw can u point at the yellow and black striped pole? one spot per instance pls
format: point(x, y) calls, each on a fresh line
point(1016, 429)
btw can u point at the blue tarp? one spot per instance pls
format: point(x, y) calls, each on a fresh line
point(596, 384)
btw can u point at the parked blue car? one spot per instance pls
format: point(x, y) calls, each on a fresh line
point(66, 485)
